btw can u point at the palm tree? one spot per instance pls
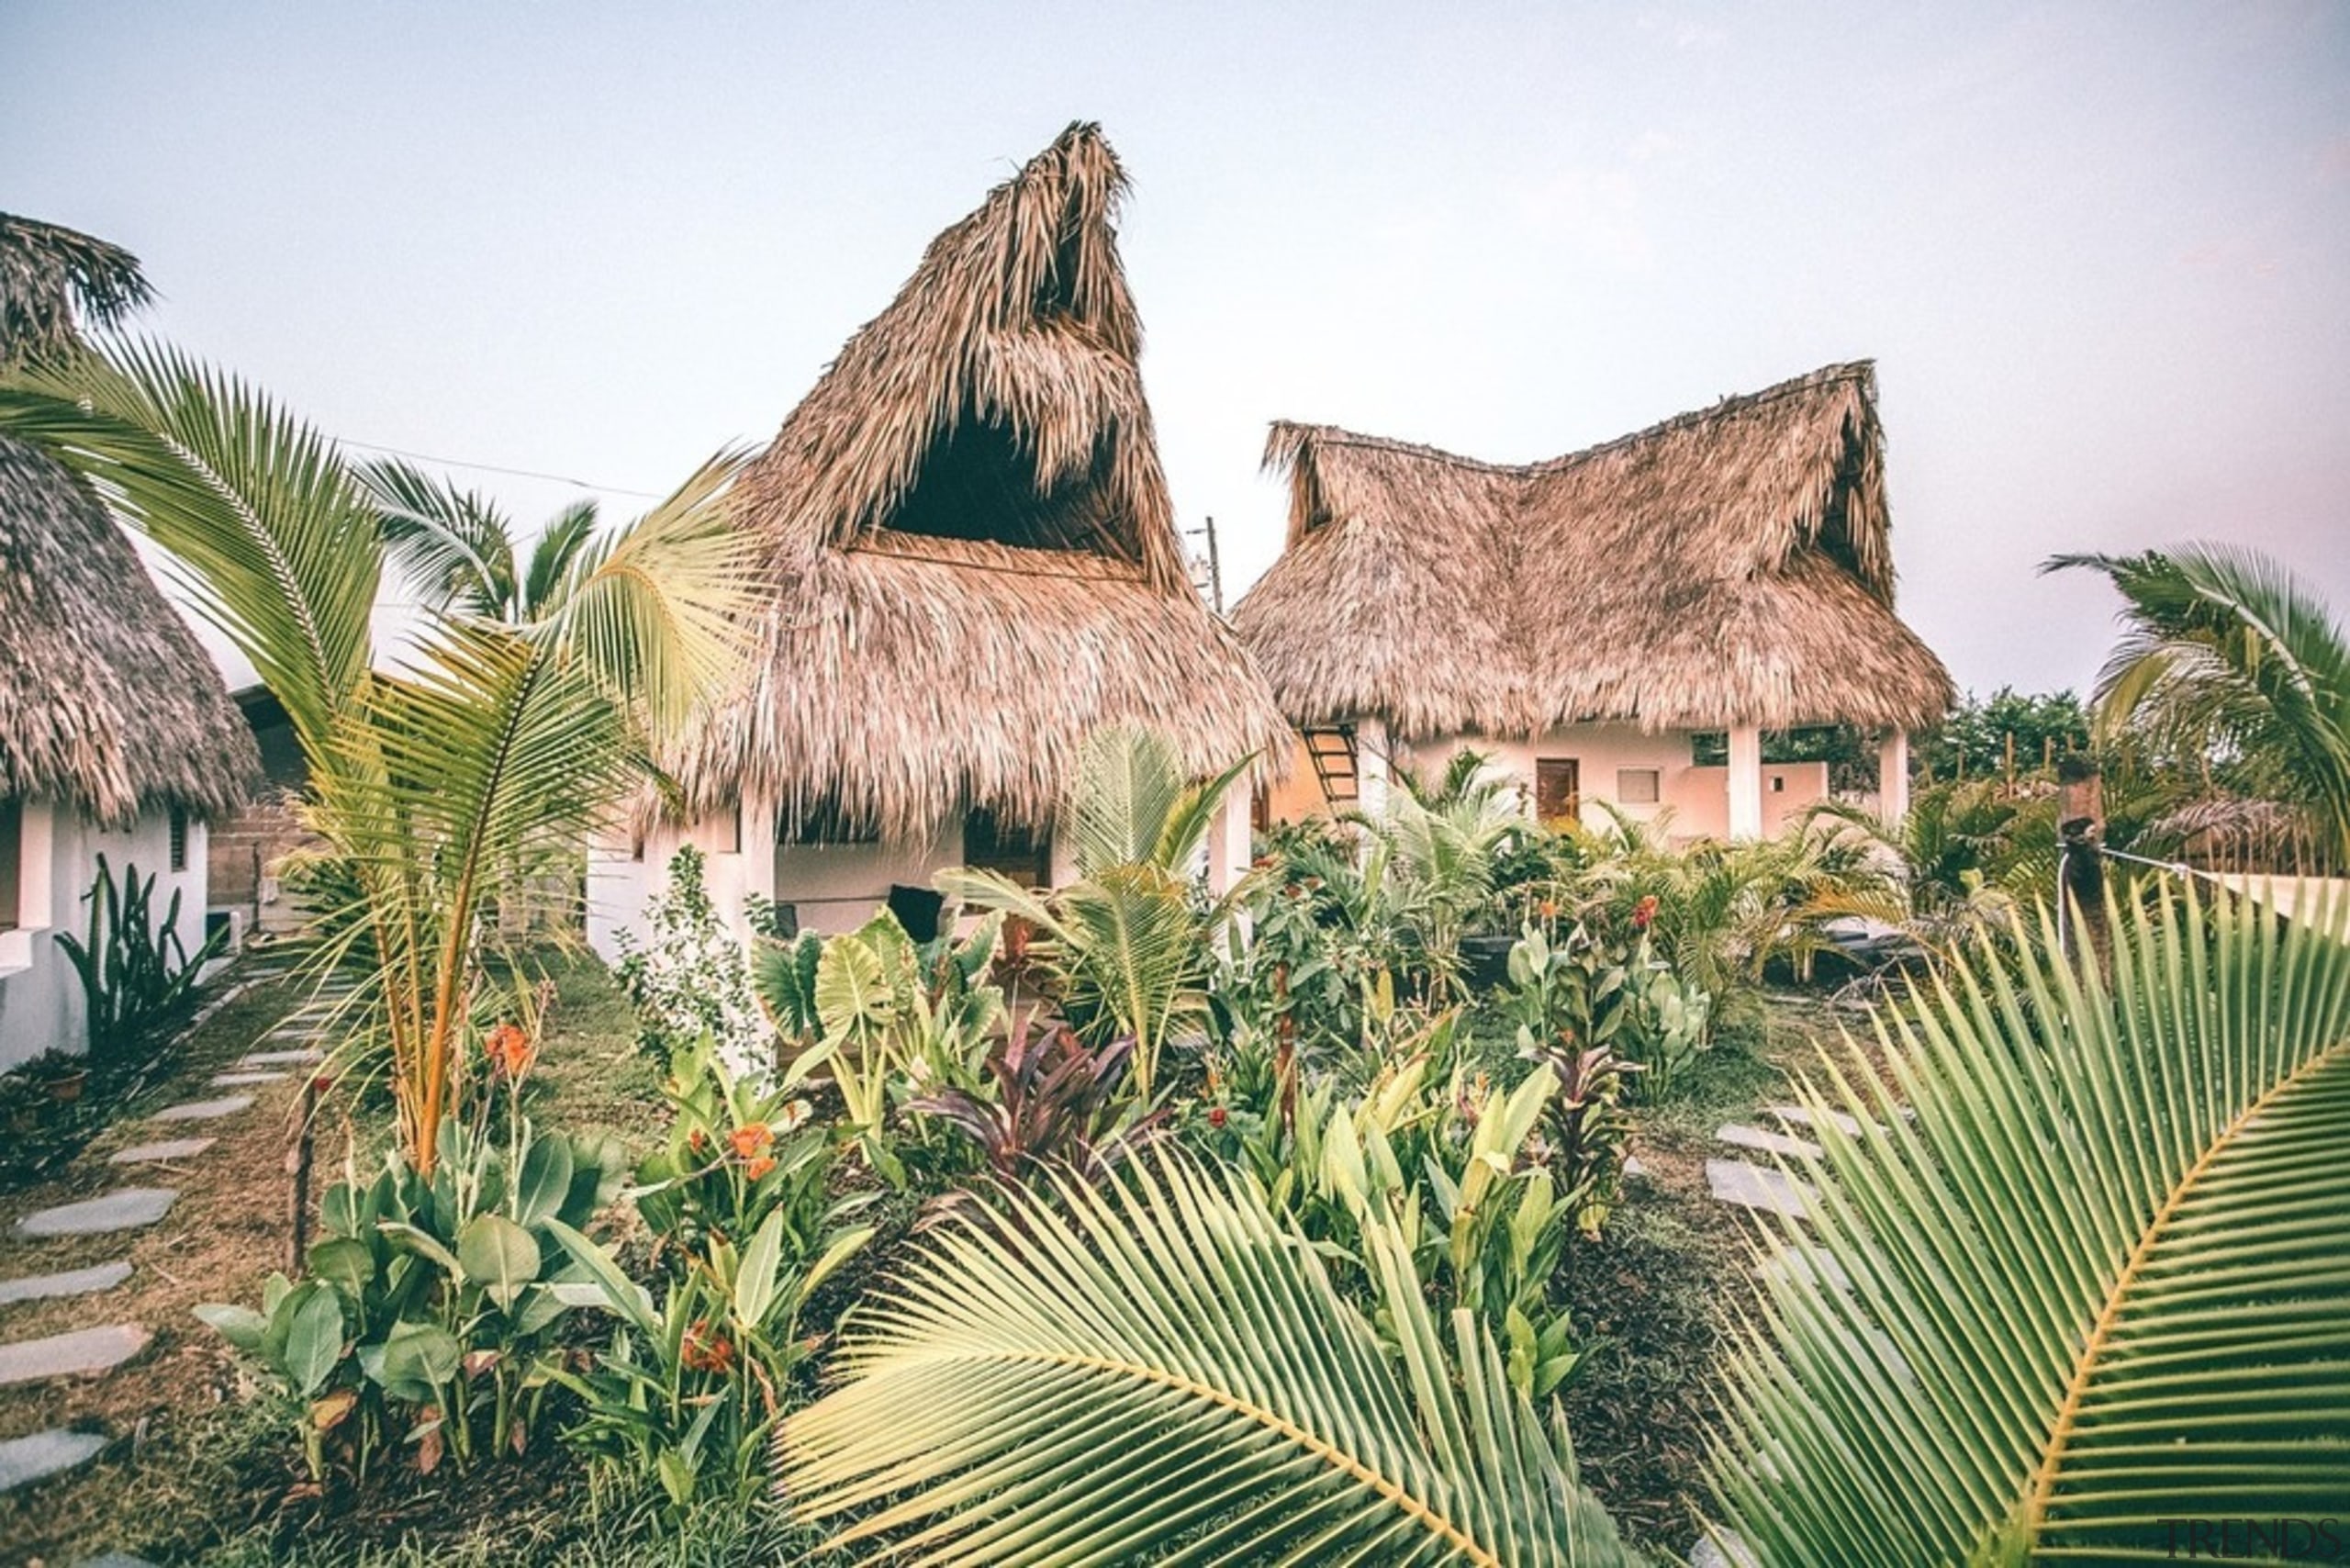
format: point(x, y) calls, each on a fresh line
point(1102, 1377)
point(458, 550)
point(2094, 1289)
point(2225, 653)
point(517, 724)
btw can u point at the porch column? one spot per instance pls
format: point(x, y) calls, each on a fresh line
point(757, 871)
point(1893, 776)
point(1228, 838)
point(1745, 782)
point(1372, 778)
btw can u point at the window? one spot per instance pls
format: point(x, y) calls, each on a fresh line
point(12, 858)
point(1558, 788)
point(1022, 854)
point(179, 838)
point(1639, 786)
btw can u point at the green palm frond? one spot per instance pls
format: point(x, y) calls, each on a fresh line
point(1133, 805)
point(1162, 1372)
point(454, 547)
point(2096, 1285)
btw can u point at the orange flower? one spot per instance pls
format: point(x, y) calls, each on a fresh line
point(758, 1166)
point(1644, 912)
point(698, 1141)
point(705, 1350)
point(510, 1049)
point(752, 1141)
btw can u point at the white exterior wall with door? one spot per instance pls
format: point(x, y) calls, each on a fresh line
point(47, 865)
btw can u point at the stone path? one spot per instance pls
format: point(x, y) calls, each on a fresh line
point(171, 1149)
point(1796, 1116)
point(1706, 1554)
point(70, 1282)
point(1753, 1187)
point(1768, 1142)
point(27, 1459)
point(204, 1110)
point(125, 1208)
point(78, 1352)
point(98, 1350)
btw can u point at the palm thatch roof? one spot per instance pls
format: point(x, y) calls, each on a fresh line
point(1728, 567)
point(106, 699)
point(971, 547)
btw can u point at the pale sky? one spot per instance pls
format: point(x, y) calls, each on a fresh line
point(2101, 253)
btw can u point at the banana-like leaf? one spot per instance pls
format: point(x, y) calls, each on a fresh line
point(1161, 1373)
point(2095, 1290)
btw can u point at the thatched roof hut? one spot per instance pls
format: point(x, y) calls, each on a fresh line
point(107, 701)
point(973, 554)
point(1728, 567)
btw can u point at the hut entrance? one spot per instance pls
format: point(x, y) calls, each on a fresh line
point(1558, 790)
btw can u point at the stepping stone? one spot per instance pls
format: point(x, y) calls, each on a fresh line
point(24, 1461)
point(1796, 1116)
point(74, 1282)
point(204, 1110)
point(1788, 1263)
point(1768, 1143)
point(1752, 1187)
point(76, 1354)
point(1733, 1552)
point(243, 1079)
point(114, 1560)
point(173, 1148)
point(1633, 1169)
point(253, 1060)
point(125, 1208)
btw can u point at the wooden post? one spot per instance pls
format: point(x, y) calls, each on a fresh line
point(2080, 823)
point(297, 1165)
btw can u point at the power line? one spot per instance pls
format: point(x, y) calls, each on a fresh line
point(497, 468)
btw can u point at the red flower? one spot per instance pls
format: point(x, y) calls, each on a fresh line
point(510, 1049)
point(704, 1350)
point(1217, 1116)
point(757, 1166)
point(1643, 912)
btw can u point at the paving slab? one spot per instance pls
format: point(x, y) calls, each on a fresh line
point(255, 1059)
point(125, 1208)
point(1791, 1264)
point(1634, 1170)
point(1767, 1142)
point(24, 1461)
point(1753, 1187)
point(114, 1560)
point(170, 1149)
point(1730, 1552)
point(204, 1110)
point(244, 1080)
point(78, 1352)
point(72, 1281)
point(1796, 1116)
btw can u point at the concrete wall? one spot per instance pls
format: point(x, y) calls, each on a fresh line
point(1696, 799)
point(40, 996)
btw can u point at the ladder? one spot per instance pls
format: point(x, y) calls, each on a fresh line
point(1332, 749)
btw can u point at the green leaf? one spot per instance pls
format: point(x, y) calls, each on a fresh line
point(313, 1337)
point(241, 1325)
point(345, 1262)
point(419, 1360)
point(545, 1182)
point(498, 1255)
point(620, 1294)
point(755, 1275)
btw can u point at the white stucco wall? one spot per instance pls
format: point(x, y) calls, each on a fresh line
point(40, 996)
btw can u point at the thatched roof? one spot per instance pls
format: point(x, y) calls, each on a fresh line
point(1730, 566)
point(106, 699)
point(971, 550)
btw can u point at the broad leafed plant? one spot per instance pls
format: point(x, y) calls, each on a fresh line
point(2094, 1291)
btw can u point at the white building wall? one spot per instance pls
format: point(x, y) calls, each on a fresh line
point(40, 995)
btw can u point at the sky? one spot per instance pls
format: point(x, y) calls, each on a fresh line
point(2099, 252)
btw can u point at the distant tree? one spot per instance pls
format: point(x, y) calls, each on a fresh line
point(1973, 741)
point(2226, 655)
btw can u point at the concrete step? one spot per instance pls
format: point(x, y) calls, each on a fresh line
point(1754, 1187)
point(72, 1281)
point(1779, 1144)
point(78, 1352)
point(125, 1208)
point(170, 1149)
point(24, 1461)
point(204, 1110)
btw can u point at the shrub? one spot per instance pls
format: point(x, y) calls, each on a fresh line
point(691, 981)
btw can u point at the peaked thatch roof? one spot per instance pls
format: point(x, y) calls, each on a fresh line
point(1730, 566)
point(106, 699)
point(973, 556)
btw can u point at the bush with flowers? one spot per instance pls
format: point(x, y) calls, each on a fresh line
point(744, 1227)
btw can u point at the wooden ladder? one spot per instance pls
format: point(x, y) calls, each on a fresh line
point(1332, 749)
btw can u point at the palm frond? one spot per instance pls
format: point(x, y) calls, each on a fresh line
point(2095, 1287)
point(1162, 1372)
point(454, 547)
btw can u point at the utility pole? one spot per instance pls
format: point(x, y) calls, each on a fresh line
point(1214, 585)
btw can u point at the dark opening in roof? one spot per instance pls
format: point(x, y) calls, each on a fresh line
point(977, 481)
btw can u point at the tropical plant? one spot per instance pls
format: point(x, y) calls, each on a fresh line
point(2081, 1283)
point(490, 756)
point(134, 969)
point(1175, 1322)
point(460, 552)
point(690, 980)
point(738, 1150)
point(2226, 654)
point(1051, 1103)
point(1440, 871)
point(1126, 945)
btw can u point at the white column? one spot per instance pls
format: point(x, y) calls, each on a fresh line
point(1745, 782)
point(1893, 776)
point(1229, 838)
point(1372, 779)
